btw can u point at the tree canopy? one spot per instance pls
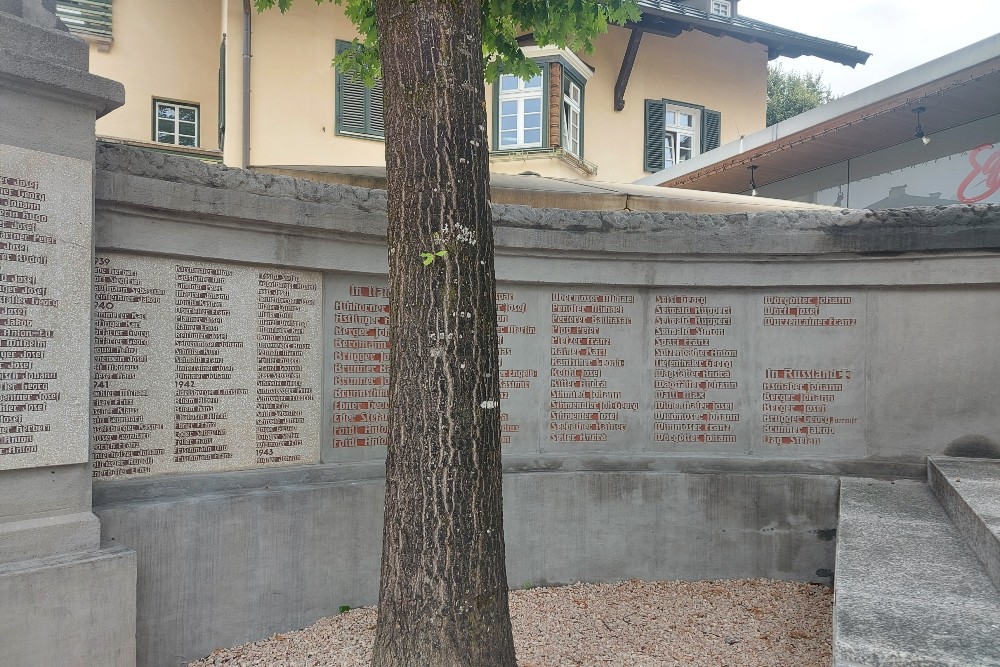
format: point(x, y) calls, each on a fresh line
point(790, 93)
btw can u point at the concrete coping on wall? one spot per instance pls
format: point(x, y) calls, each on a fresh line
point(133, 178)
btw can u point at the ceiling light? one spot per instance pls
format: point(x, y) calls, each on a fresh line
point(919, 133)
point(753, 183)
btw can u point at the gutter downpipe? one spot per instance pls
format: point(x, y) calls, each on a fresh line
point(246, 84)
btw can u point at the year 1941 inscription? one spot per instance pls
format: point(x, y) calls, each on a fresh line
point(231, 386)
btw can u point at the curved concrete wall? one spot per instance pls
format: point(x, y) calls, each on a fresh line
point(835, 343)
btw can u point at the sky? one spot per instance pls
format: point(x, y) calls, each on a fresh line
point(900, 34)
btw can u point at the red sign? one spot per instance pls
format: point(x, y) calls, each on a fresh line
point(988, 169)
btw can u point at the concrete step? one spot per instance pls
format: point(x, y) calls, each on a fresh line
point(969, 490)
point(908, 589)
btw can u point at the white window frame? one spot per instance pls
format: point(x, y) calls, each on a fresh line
point(572, 117)
point(518, 96)
point(722, 8)
point(675, 132)
point(175, 134)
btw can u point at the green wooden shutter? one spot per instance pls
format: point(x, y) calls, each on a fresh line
point(86, 17)
point(358, 108)
point(653, 140)
point(376, 122)
point(222, 93)
point(711, 129)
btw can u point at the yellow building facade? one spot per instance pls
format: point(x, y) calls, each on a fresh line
point(184, 65)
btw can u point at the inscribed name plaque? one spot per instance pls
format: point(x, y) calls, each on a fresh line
point(46, 222)
point(360, 349)
point(360, 364)
point(522, 336)
point(595, 357)
point(809, 367)
point(699, 372)
point(203, 366)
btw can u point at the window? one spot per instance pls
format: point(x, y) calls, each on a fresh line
point(677, 131)
point(358, 108)
point(175, 123)
point(722, 8)
point(543, 116)
point(519, 112)
point(572, 116)
point(680, 142)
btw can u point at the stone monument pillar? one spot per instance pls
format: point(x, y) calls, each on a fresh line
point(63, 599)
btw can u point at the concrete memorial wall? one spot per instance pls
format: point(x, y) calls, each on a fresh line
point(206, 366)
point(681, 393)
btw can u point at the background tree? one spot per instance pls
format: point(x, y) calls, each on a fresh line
point(443, 594)
point(792, 93)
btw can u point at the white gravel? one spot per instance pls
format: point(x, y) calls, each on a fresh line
point(745, 623)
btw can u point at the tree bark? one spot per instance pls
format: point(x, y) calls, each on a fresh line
point(443, 595)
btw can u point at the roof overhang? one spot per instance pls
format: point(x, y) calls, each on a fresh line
point(956, 89)
point(671, 19)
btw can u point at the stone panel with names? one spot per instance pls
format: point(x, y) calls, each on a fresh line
point(204, 366)
point(360, 409)
point(522, 339)
point(595, 357)
point(699, 381)
point(360, 364)
point(46, 220)
point(809, 367)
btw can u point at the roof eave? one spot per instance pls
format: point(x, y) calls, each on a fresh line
point(779, 41)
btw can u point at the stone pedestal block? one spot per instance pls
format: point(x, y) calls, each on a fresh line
point(65, 601)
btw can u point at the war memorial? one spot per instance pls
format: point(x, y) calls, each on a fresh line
point(193, 363)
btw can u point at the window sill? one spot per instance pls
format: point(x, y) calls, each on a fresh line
point(581, 165)
point(204, 154)
point(102, 42)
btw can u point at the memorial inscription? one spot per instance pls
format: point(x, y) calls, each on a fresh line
point(232, 387)
point(809, 371)
point(592, 391)
point(285, 339)
point(122, 372)
point(361, 366)
point(45, 221)
point(520, 359)
point(696, 386)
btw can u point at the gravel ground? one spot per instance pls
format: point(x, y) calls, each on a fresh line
point(746, 623)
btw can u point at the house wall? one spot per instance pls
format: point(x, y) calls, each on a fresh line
point(163, 49)
point(723, 74)
point(292, 83)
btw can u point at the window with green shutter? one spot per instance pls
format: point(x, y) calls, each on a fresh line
point(358, 108)
point(571, 116)
point(677, 131)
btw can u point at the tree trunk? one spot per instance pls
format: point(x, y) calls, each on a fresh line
point(443, 596)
